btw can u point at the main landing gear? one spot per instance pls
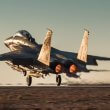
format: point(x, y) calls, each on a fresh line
point(29, 80)
point(58, 80)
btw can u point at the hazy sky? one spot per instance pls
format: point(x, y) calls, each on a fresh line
point(67, 19)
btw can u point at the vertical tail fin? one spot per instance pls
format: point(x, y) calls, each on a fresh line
point(44, 55)
point(82, 53)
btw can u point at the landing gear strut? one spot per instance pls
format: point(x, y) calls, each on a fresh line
point(58, 80)
point(24, 73)
point(29, 80)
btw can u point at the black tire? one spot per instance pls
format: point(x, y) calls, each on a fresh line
point(58, 80)
point(29, 80)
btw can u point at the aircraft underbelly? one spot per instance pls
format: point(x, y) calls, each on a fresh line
point(22, 61)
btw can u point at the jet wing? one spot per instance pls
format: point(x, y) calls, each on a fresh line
point(64, 55)
point(15, 55)
point(92, 60)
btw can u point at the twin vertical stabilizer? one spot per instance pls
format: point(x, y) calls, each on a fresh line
point(82, 53)
point(44, 55)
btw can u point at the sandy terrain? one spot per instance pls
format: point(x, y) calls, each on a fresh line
point(55, 98)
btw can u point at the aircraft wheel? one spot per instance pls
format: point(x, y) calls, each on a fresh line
point(29, 80)
point(58, 80)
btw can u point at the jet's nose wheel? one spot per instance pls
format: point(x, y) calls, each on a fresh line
point(29, 80)
point(58, 80)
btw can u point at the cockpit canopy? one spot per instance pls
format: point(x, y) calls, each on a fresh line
point(24, 34)
point(21, 37)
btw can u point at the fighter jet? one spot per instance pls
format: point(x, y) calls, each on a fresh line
point(39, 60)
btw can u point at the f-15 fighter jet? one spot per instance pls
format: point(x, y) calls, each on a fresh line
point(38, 60)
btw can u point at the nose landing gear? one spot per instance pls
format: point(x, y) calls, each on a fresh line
point(24, 73)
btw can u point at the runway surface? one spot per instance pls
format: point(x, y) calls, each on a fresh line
point(55, 98)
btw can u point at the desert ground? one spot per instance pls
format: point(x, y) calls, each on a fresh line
point(55, 98)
